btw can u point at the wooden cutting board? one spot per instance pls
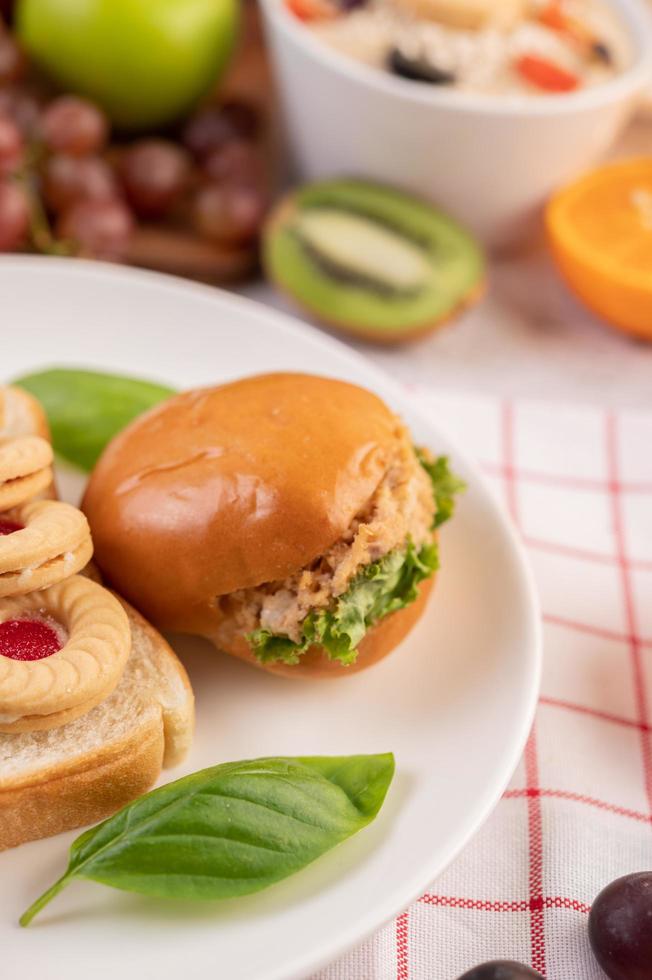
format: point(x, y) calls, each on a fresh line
point(179, 250)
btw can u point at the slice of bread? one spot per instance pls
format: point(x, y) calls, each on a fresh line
point(80, 773)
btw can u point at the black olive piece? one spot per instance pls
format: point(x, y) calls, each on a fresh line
point(351, 4)
point(602, 52)
point(502, 970)
point(418, 70)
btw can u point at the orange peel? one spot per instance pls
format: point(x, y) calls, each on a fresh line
point(600, 234)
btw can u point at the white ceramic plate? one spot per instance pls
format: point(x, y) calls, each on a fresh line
point(454, 703)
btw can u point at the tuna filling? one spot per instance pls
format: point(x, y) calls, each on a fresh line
point(374, 569)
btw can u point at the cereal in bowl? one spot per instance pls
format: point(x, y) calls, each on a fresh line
point(497, 47)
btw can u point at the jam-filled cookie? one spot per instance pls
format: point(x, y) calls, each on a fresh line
point(40, 544)
point(25, 470)
point(62, 651)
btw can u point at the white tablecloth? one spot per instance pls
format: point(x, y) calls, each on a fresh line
point(578, 812)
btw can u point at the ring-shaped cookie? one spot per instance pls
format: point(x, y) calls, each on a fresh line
point(51, 541)
point(21, 415)
point(25, 470)
point(49, 692)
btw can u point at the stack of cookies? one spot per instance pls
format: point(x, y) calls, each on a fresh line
point(46, 608)
point(93, 702)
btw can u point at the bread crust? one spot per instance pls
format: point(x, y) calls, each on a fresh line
point(380, 640)
point(90, 789)
point(92, 786)
point(178, 723)
point(231, 487)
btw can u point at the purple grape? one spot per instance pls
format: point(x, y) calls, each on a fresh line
point(620, 928)
point(214, 126)
point(67, 180)
point(11, 146)
point(229, 213)
point(237, 160)
point(242, 118)
point(97, 229)
point(73, 125)
point(501, 970)
point(154, 174)
point(19, 104)
point(14, 216)
point(12, 59)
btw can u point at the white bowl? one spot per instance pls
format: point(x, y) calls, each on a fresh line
point(490, 160)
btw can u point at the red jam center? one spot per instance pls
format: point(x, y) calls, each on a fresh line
point(8, 527)
point(28, 639)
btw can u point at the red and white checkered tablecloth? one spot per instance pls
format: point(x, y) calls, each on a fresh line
point(578, 813)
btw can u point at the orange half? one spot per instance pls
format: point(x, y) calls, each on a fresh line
point(600, 232)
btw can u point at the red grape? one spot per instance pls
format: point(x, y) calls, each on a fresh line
point(11, 146)
point(501, 970)
point(154, 173)
point(237, 160)
point(242, 117)
point(98, 229)
point(214, 126)
point(20, 106)
point(73, 125)
point(67, 180)
point(620, 928)
point(12, 60)
point(14, 216)
point(229, 213)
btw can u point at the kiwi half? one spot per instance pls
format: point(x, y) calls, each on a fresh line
point(370, 260)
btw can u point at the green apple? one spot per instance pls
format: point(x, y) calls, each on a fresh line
point(146, 62)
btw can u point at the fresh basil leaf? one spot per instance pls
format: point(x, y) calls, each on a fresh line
point(86, 409)
point(444, 483)
point(377, 590)
point(230, 830)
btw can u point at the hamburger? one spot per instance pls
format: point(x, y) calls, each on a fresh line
point(289, 518)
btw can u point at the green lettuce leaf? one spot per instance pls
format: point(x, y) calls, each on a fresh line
point(377, 590)
point(445, 485)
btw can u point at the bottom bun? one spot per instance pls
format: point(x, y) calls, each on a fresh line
point(84, 771)
point(381, 639)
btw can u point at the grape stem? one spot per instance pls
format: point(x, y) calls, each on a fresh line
point(40, 231)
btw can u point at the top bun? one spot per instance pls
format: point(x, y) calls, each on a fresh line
point(228, 488)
